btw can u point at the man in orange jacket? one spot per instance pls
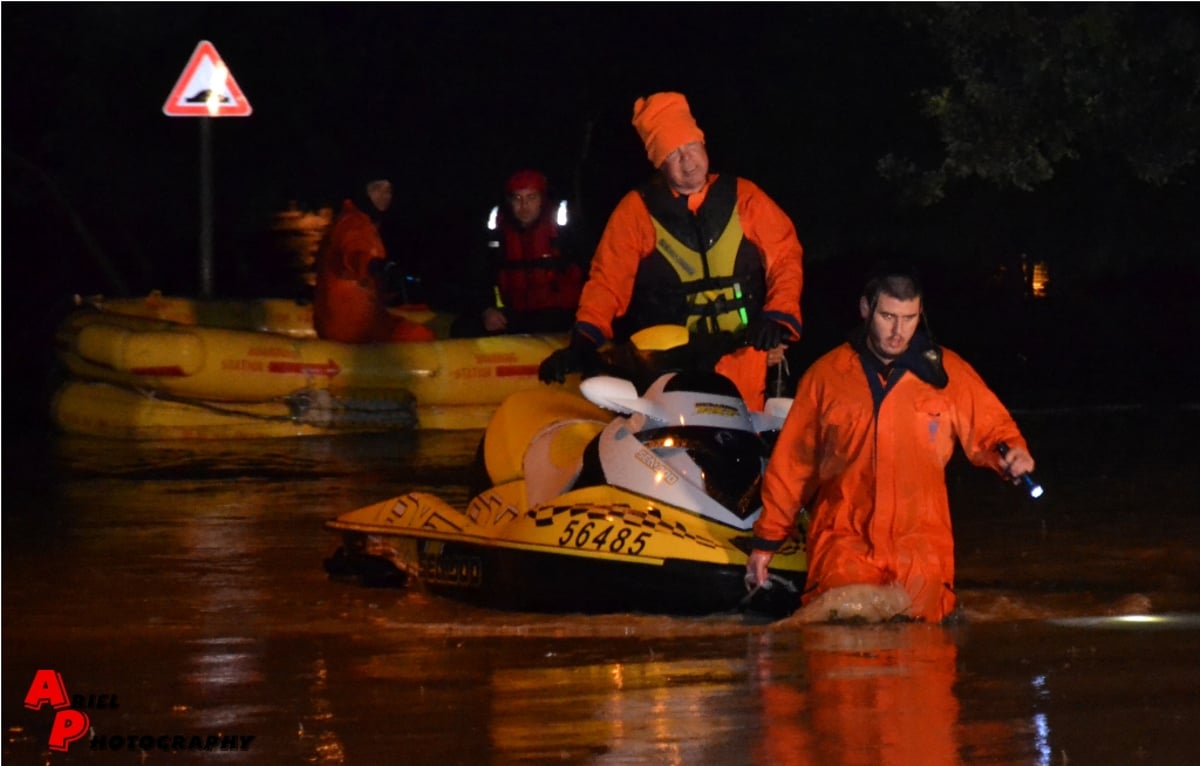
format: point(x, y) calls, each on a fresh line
point(864, 449)
point(350, 301)
point(712, 252)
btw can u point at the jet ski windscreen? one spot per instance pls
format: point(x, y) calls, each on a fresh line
point(730, 461)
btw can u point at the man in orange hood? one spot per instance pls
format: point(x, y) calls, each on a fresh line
point(712, 252)
point(864, 449)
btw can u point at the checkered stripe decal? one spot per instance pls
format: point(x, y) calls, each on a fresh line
point(545, 515)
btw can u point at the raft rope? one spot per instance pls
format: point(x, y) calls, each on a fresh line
point(781, 370)
point(320, 408)
point(313, 407)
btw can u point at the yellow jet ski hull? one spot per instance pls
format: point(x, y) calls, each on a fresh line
point(592, 550)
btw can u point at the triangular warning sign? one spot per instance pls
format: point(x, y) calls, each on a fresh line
point(206, 88)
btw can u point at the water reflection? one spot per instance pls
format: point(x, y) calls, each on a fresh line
point(634, 711)
point(859, 695)
point(197, 595)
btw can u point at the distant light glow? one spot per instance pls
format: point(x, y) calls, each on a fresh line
point(1165, 621)
point(561, 216)
point(1036, 276)
point(1041, 279)
point(493, 218)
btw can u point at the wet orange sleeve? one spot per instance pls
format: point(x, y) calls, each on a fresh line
point(791, 477)
point(772, 232)
point(981, 420)
point(359, 246)
point(628, 237)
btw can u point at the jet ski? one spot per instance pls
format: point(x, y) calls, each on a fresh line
point(582, 511)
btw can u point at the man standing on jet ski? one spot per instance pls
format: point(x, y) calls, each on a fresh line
point(712, 252)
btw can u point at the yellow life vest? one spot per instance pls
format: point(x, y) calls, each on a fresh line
point(704, 273)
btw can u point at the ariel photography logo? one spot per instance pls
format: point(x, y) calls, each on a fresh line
point(72, 724)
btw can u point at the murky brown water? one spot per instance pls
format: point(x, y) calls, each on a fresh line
point(187, 582)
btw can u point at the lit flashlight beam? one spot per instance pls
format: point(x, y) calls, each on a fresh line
point(1035, 489)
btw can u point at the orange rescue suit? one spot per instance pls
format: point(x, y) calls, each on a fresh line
point(349, 304)
point(630, 237)
point(874, 481)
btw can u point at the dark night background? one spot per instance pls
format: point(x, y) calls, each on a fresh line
point(101, 190)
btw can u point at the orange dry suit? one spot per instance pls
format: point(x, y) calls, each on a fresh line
point(531, 271)
point(349, 304)
point(867, 458)
point(714, 261)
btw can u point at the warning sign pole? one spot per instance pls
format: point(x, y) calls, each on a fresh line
point(206, 89)
point(206, 208)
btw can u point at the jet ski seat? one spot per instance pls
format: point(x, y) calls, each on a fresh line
point(554, 458)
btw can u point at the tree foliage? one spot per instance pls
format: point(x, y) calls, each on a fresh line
point(1034, 86)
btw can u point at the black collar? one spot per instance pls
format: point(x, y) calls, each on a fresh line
point(922, 358)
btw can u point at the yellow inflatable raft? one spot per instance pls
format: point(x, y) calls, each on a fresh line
point(164, 368)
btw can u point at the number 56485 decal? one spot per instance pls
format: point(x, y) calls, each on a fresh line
point(602, 537)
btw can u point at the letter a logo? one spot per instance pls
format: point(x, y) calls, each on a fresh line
point(47, 688)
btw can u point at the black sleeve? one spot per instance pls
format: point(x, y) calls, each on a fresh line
point(574, 246)
point(477, 279)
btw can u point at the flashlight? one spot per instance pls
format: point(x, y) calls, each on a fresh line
point(1035, 489)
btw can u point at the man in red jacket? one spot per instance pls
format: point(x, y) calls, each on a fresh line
point(530, 280)
point(864, 449)
point(712, 252)
point(350, 302)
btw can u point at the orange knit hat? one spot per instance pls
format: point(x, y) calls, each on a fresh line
point(665, 123)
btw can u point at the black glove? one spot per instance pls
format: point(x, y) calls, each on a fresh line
point(764, 334)
point(556, 367)
point(379, 267)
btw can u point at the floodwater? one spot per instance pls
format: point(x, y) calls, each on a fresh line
point(186, 583)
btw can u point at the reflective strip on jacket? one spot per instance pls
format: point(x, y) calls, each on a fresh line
point(874, 483)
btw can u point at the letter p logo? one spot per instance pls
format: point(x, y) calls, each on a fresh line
point(69, 725)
